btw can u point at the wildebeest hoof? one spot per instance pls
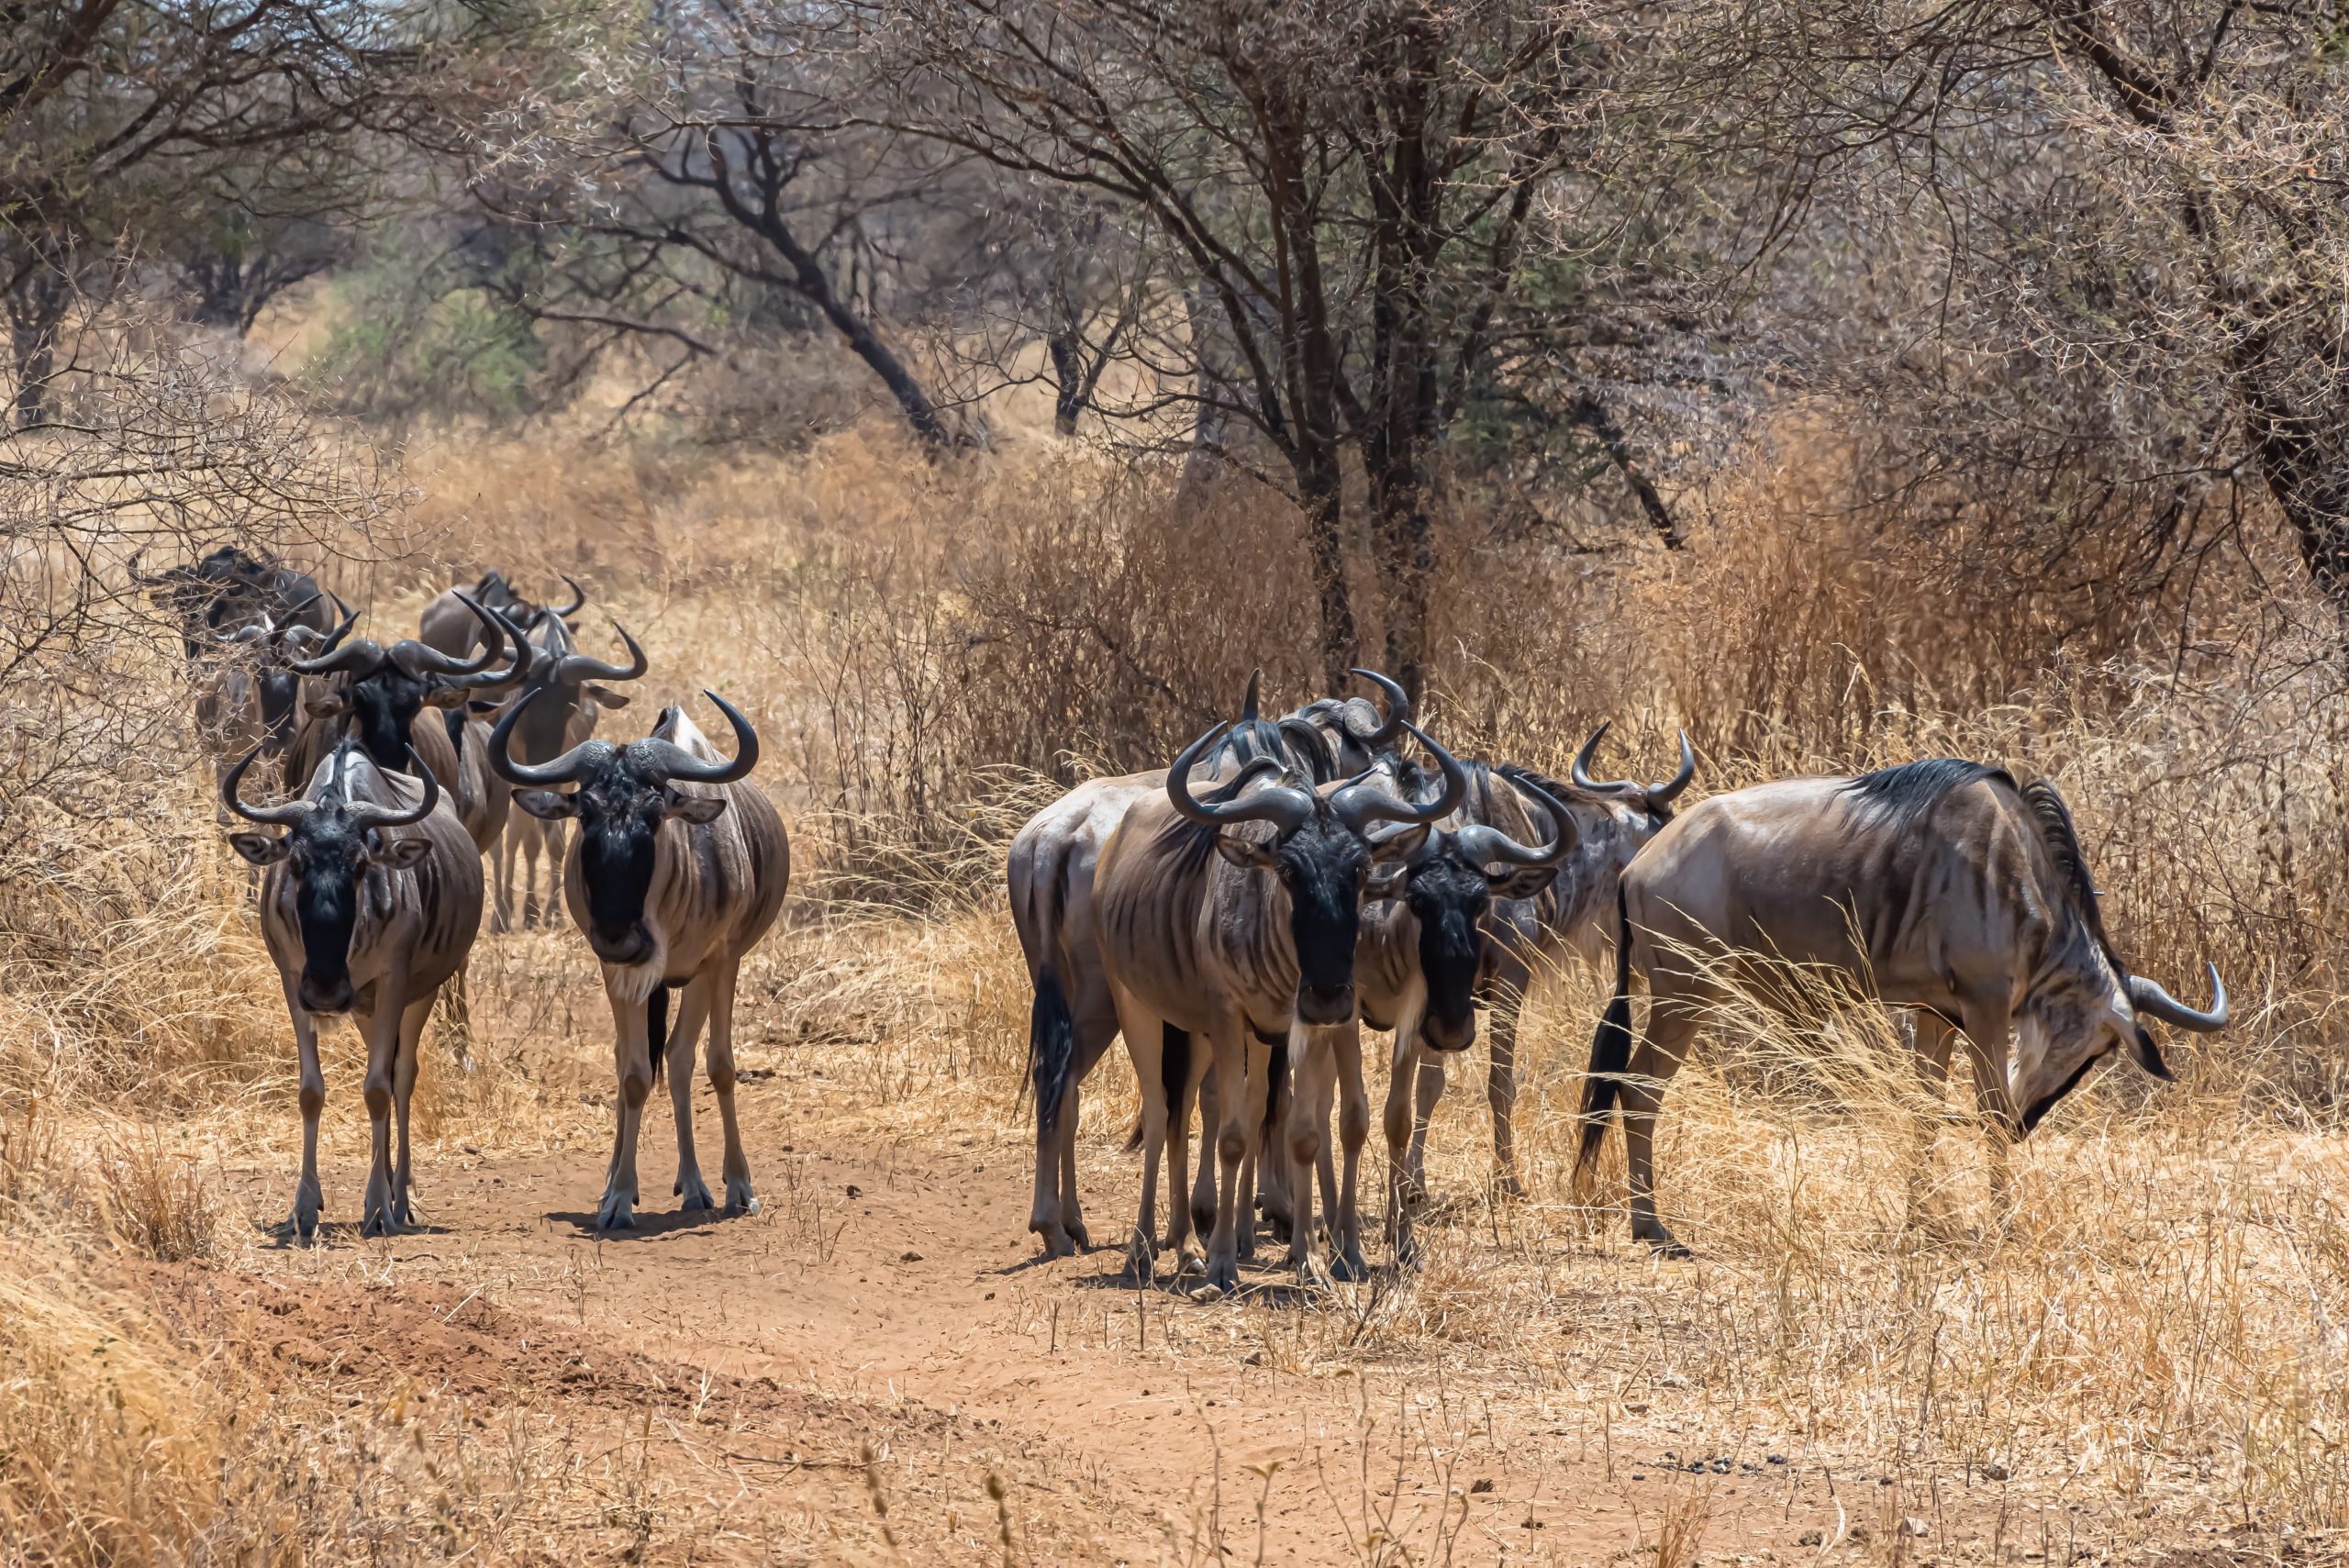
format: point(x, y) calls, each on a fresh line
point(618, 1213)
point(739, 1198)
point(1203, 1294)
point(1348, 1267)
point(1508, 1185)
point(1223, 1275)
point(379, 1222)
point(1056, 1241)
point(1311, 1273)
point(1664, 1244)
point(1079, 1238)
point(696, 1193)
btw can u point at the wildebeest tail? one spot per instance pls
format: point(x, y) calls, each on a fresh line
point(1052, 1046)
point(1610, 1049)
point(1173, 1074)
point(656, 1035)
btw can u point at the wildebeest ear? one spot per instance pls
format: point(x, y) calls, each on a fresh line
point(1244, 852)
point(606, 698)
point(399, 854)
point(258, 848)
point(546, 805)
point(1521, 882)
point(325, 705)
point(1401, 846)
point(1385, 882)
point(2148, 1054)
point(695, 808)
point(446, 696)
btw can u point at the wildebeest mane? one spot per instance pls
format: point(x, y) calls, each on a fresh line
point(2056, 830)
point(1903, 793)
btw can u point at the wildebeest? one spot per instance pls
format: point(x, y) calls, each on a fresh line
point(371, 901)
point(1236, 919)
point(1943, 885)
point(678, 869)
point(450, 627)
point(246, 696)
point(231, 589)
point(380, 695)
point(1048, 873)
point(565, 718)
point(1571, 916)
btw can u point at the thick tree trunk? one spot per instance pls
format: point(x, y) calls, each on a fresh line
point(1320, 495)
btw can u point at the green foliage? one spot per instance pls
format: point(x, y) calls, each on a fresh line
point(440, 341)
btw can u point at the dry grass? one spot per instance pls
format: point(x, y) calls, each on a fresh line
point(927, 649)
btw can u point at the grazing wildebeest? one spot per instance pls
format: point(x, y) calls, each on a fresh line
point(1049, 873)
point(1571, 916)
point(1943, 885)
point(678, 869)
point(1237, 919)
point(450, 627)
point(563, 719)
point(230, 589)
point(370, 902)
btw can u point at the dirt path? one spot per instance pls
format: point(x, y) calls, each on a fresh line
point(888, 1295)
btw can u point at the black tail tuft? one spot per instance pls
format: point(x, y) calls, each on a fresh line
point(1052, 1047)
point(453, 720)
point(1610, 1047)
point(656, 1035)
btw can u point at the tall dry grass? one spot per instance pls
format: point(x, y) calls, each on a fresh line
point(932, 649)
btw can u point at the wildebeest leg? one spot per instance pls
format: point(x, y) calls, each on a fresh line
point(1240, 1069)
point(1500, 1085)
point(381, 1030)
point(1672, 1024)
point(501, 866)
point(307, 1199)
point(1931, 1037)
point(1988, 1021)
point(1300, 1144)
point(693, 1006)
point(1428, 1085)
point(735, 1166)
point(412, 1021)
point(1402, 1072)
point(1185, 1226)
point(632, 1064)
point(1353, 1130)
point(1053, 1214)
point(1211, 1119)
point(1145, 1035)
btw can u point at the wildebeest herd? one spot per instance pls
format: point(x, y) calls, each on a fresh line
point(1237, 917)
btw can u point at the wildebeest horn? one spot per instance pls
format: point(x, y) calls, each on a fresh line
point(1664, 793)
point(360, 658)
point(2148, 997)
point(1248, 703)
point(1364, 802)
point(563, 770)
point(366, 814)
point(327, 642)
point(284, 814)
point(141, 577)
point(676, 762)
point(1481, 844)
point(421, 659)
point(578, 600)
point(1284, 805)
point(1398, 711)
point(253, 632)
point(578, 667)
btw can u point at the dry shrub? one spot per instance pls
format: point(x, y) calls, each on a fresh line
point(151, 1203)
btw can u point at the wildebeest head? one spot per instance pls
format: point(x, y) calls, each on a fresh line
point(625, 795)
point(1448, 884)
point(226, 590)
point(574, 679)
point(495, 593)
point(332, 841)
point(1321, 854)
point(2082, 1004)
point(383, 690)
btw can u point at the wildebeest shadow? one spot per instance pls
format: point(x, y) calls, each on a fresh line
point(280, 1237)
point(649, 1224)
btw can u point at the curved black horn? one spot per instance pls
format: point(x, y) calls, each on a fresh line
point(423, 658)
point(367, 814)
point(1663, 794)
point(1398, 711)
point(141, 578)
point(2148, 997)
point(1284, 805)
point(1248, 713)
point(285, 815)
point(578, 667)
point(1367, 801)
point(676, 762)
point(360, 658)
point(1580, 772)
point(563, 770)
point(252, 631)
point(578, 599)
point(1481, 844)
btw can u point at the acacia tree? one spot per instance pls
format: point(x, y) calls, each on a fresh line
point(1340, 193)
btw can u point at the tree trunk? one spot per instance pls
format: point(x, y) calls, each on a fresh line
point(1068, 378)
point(1320, 493)
point(36, 309)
